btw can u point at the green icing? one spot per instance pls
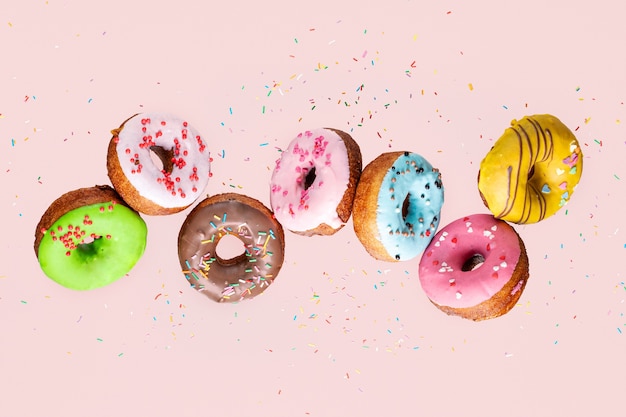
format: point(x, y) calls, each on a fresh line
point(109, 240)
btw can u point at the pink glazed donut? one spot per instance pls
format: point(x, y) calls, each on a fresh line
point(314, 182)
point(475, 267)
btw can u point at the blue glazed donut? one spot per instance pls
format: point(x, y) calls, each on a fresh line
point(397, 206)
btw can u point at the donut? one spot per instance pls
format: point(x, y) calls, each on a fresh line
point(397, 206)
point(158, 163)
point(475, 267)
point(231, 278)
point(313, 183)
point(531, 171)
point(89, 238)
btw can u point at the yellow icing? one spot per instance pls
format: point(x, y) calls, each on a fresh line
point(531, 171)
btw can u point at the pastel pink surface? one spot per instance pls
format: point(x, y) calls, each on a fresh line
point(338, 333)
point(441, 272)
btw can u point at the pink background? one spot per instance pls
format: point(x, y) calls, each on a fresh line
point(338, 333)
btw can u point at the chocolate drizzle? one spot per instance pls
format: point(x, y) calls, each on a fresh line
point(535, 148)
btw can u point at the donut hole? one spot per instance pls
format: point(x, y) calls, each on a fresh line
point(473, 262)
point(405, 207)
point(162, 158)
point(89, 245)
point(309, 178)
point(230, 250)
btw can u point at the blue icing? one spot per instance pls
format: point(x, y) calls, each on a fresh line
point(406, 235)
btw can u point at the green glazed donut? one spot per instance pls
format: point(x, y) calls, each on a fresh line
point(89, 238)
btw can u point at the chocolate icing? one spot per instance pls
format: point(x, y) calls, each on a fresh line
point(244, 276)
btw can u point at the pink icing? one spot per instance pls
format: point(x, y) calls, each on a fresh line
point(297, 207)
point(440, 269)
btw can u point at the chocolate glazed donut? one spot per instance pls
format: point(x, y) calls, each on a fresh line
point(243, 276)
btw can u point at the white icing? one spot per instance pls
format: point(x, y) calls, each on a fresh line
point(190, 172)
point(183, 185)
point(298, 209)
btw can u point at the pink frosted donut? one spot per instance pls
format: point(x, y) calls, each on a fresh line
point(314, 181)
point(475, 267)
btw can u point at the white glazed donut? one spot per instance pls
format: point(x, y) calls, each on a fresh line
point(138, 178)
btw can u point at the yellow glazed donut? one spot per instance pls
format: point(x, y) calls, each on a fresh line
point(531, 171)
